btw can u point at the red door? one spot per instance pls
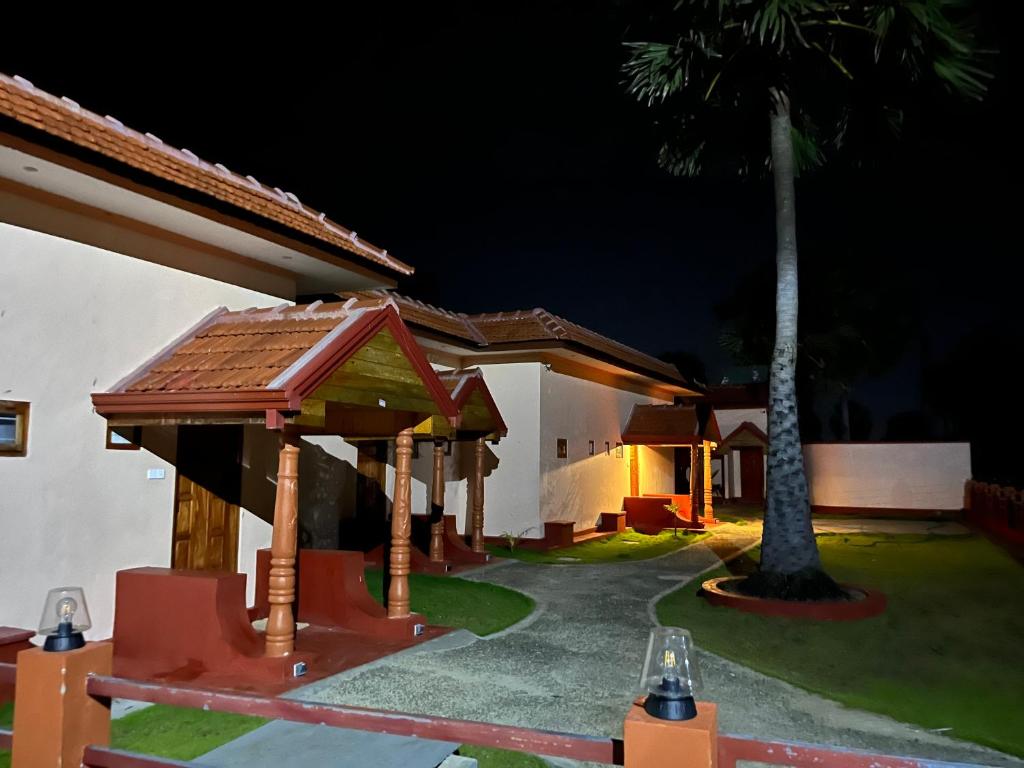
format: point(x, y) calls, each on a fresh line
point(751, 475)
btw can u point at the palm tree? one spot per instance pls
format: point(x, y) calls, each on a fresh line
point(826, 73)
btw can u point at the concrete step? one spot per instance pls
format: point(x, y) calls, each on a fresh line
point(284, 743)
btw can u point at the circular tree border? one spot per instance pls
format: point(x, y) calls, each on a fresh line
point(871, 604)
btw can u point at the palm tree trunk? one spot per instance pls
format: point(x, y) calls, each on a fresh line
point(844, 413)
point(788, 545)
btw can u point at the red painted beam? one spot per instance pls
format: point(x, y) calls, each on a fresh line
point(7, 673)
point(535, 742)
point(103, 757)
point(800, 755)
point(5, 739)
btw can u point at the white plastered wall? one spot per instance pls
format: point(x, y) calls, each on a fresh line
point(926, 476)
point(580, 487)
point(74, 319)
point(511, 494)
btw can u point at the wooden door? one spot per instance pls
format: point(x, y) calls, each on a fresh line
point(751, 475)
point(207, 492)
point(205, 529)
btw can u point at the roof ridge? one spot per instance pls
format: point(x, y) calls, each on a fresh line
point(154, 143)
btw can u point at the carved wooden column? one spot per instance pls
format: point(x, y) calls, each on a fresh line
point(437, 506)
point(401, 527)
point(634, 471)
point(280, 637)
point(709, 510)
point(695, 477)
point(478, 498)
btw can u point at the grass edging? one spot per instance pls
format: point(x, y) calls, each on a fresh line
point(449, 601)
point(625, 547)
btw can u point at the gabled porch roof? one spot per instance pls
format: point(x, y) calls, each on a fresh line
point(315, 367)
point(478, 411)
point(670, 425)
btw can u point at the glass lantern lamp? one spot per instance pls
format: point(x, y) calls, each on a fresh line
point(65, 618)
point(670, 675)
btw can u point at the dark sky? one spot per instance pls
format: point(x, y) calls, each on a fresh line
point(498, 154)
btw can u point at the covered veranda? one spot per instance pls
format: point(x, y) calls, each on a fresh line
point(690, 427)
point(351, 370)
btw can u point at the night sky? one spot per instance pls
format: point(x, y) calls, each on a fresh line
point(498, 154)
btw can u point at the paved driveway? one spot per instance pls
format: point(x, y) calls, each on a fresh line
point(574, 663)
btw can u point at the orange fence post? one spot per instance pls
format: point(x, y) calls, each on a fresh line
point(54, 718)
point(653, 743)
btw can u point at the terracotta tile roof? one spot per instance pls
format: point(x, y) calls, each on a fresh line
point(427, 316)
point(540, 325)
point(522, 327)
point(670, 425)
point(65, 119)
point(241, 350)
point(462, 383)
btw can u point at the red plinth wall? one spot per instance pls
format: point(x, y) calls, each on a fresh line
point(419, 561)
point(455, 548)
point(175, 623)
point(333, 593)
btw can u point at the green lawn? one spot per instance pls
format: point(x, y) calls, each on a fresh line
point(946, 653)
point(629, 545)
point(6, 715)
point(451, 602)
point(499, 758)
point(182, 734)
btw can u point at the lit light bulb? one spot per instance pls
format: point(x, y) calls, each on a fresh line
point(66, 608)
point(669, 665)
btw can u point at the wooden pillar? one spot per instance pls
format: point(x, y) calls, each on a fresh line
point(437, 506)
point(634, 471)
point(709, 510)
point(401, 527)
point(478, 498)
point(696, 484)
point(280, 637)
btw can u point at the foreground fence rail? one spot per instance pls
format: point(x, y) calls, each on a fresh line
point(538, 742)
point(667, 745)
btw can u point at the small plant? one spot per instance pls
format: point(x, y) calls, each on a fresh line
point(512, 539)
point(674, 509)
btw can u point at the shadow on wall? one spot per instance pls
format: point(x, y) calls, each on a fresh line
point(341, 506)
point(465, 467)
point(327, 487)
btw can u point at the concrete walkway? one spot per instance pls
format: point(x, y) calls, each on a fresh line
point(573, 664)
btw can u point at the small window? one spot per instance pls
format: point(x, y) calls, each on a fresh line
point(618, 450)
point(124, 438)
point(562, 448)
point(13, 428)
point(590, 447)
point(447, 447)
point(607, 448)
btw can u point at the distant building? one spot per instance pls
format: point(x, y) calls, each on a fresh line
point(566, 393)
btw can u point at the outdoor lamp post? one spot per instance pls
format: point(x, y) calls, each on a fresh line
point(65, 618)
point(670, 675)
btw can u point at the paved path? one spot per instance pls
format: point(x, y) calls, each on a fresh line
point(574, 663)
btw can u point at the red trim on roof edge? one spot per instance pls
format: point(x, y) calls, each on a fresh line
point(478, 382)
